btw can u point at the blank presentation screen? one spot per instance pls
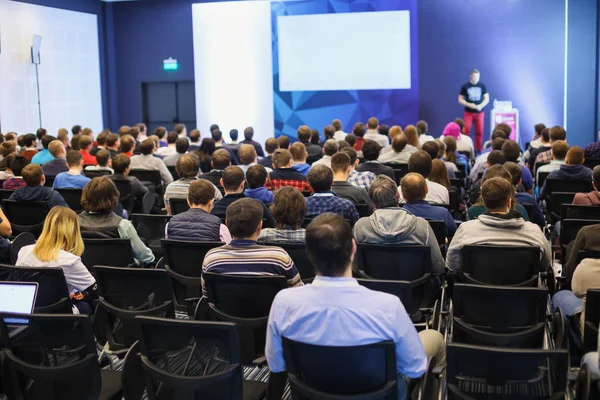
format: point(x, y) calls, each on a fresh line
point(348, 51)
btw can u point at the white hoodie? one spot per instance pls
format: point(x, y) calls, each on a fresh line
point(490, 230)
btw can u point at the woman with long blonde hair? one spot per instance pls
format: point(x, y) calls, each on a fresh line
point(61, 245)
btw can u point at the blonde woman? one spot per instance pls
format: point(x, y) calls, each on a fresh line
point(60, 245)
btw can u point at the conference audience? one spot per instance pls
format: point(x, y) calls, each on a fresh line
point(35, 190)
point(248, 157)
point(147, 161)
point(299, 156)
point(559, 154)
point(169, 149)
point(463, 142)
point(512, 152)
point(101, 142)
point(198, 223)
point(587, 239)
point(543, 154)
point(205, 153)
point(243, 255)
point(233, 182)
point(194, 140)
point(525, 198)
point(499, 226)
point(304, 137)
point(371, 151)
point(433, 149)
point(121, 165)
point(339, 133)
point(72, 179)
point(572, 169)
point(283, 142)
point(412, 137)
point(480, 165)
point(399, 153)
point(16, 165)
point(113, 143)
point(358, 131)
point(248, 139)
point(181, 147)
point(323, 200)
point(270, 146)
point(315, 137)
point(256, 178)
point(288, 209)
point(336, 311)
point(391, 224)
point(60, 246)
point(439, 173)
point(217, 136)
point(59, 163)
point(6, 149)
point(98, 221)
point(414, 191)
point(592, 198)
point(85, 145)
point(234, 145)
point(329, 149)
point(43, 156)
point(358, 179)
point(451, 155)
point(103, 162)
point(284, 175)
point(127, 144)
point(537, 140)
point(220, 160)
point(420, 163)
point(30, 148)
point(373, 134)
point(423, 131)
point(341, 167)
point(495, 158)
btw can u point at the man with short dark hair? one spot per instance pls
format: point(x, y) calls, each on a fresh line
point(147, 161)
point(390, 224)
point(498, 226)
point(7, 148)
point(481, 160)
point(358, 179)
point(234, 145)
point(181, 147)
point(243, 255)
point(371, 151)
point(217, 136)
point(59, 163)
point(525, 198)
point(313, 150)
point(336, 311)
point(414, 191)
point(127, 145)
point(33, 175)
point(299, 156)
point(85, 145)
point(544, 154)
point(559, 153)
point(72, 179)
point(194, 140)
point(420, 163)
point(572, 169)
point(121, 164)
point(76, 130)
point(15, 168)
point(40, 133)
point(474, 97)
point(170, 148)
point(101, 142)
point(197, 223)
point(233, 182)
point(256, 178)
point(323, 200)
point(248, 135)
point(29, 141)
point(44, 155)
point(399, 154)
point(339, 134)
point(181, 130)
point(284, 175)
point(103, 162)
point(512, 152)
point(270, 146)
point(341, 167)
point(358, 131)
point(374, 135)
point(220, 160)
point(248, 157)
point(329, 149)
point(113, 144)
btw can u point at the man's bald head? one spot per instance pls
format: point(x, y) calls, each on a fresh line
point(414, 187)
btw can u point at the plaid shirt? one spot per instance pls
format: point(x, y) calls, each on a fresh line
point(281, 177)
point(320, 203)
point(282, 235)
point(13, 183)
point(545, 156)
point(592, 150)
point(361, 179)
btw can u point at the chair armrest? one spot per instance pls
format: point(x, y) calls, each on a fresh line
point(260, 361)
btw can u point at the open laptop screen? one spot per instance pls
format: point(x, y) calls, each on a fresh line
point(17, 297)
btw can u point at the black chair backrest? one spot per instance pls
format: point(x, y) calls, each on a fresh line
point(457, 183)
point(49, 181)
point(576, 211)
point(583, 254)
point(557, 199)
point(95, 173)
point(54, 358)
point(591, 162)
point(541, 178)
point(53, 292)
point(5, 194)
point(26, 216)
point(72, 197)
point(454, 198)
point(400, 171)
point(570, 228)
point(151, 227)
point(530, 210)
point(568, 185)
point(484, 307)
point(126, 196)
point(110, 252)
point(363, 210)
point(178, 206)
point(592, 320)
point(530, 338)
point(202, 359)
point(183, 262)
point(297, 251)
point(143, 175)
point(439, 229)
point(312, 159)
point(173, 171)
point(22, 240)
point(490, 373)
point(359, 372)
point(501, 265)
point(400, 289)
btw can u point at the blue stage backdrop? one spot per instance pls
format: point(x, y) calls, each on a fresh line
point(317, 108)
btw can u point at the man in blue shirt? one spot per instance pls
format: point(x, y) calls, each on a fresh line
point(336, 311)
point(414, 191)
point(72, 179)
point(324, 200)
point(44, 156)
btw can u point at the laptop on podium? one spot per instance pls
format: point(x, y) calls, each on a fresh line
point(17, 298)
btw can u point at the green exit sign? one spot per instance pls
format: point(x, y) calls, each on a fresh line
point(170, 64)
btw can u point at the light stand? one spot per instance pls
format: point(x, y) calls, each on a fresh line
point(36, 60)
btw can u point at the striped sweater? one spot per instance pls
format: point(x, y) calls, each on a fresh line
point(246, 257)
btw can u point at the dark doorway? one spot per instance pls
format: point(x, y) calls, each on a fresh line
point(169, 103)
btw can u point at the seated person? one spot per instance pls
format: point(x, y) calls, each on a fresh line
point(103, 162)
point(256, 177)
point(336, 311)
point(121, 172)
point(371, 151)
point(323, 200)
point(399, 153)
point(197, 223)
point(478, 207)
point(187, 168)
point(15, 168)
point(233, 183)
point(28, 148)
point(499, 225)
point(147, 161)
point(85, 145)
point(341, 167)
point(270, 146)
point(525, 198)
point(452, 155)
point(169, 149)
point(284, 175)
point(35, 189)
point(194, 140)
point(512, 152)
point(60, 245)
point(98, 221)
point(127, 145)
point(243, 255)
point(329, 149)
point(433, 149)
point(248, 157)
point(288, 209)
point(391, 224)
point(572, 169)
point(7, 148)
point(181, 147)
point(498, 140)
point(72, 179)
point(559, 153)
point(591, 198)
point(299, 156)
point(414, 191)
point(221, 159)
point(420, 162)
point(587, 239)
point(59, 163)
point(495, 157)
point(44, 156)
point(358, 179)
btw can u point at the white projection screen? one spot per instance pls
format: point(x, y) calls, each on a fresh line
point(233, 67)
point(347, 51)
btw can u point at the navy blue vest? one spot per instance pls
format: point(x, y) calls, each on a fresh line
point(194, 224)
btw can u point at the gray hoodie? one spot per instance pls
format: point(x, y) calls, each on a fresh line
point(490, 230)
point(398, 226)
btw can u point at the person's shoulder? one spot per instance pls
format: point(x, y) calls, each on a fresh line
point(64, 257)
